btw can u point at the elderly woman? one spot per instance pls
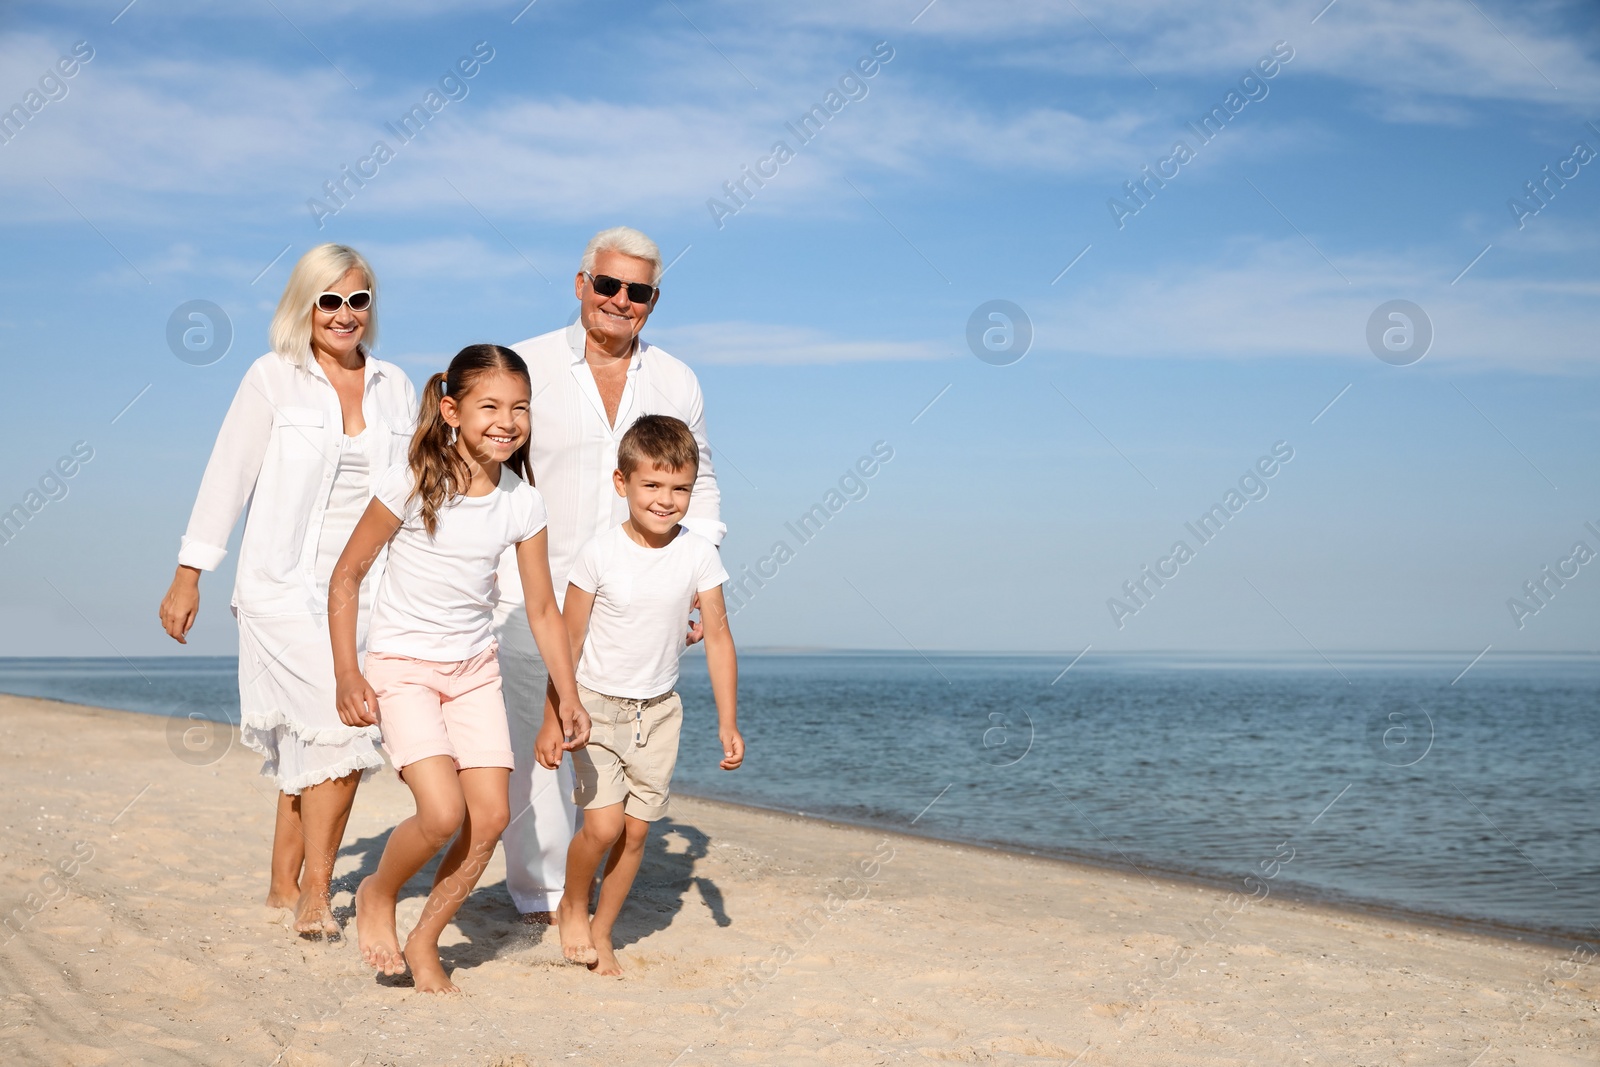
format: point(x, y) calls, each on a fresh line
point(313, 425)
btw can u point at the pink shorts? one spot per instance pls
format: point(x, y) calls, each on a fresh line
point(428, 708)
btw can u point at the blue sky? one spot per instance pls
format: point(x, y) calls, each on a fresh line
point(824, 315)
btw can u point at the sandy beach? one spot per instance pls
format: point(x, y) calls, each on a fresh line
point(134, 863)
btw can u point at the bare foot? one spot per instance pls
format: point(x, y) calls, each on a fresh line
point(576, 944)
point(606, 960)
point(375, 933)
point(313, 917)
point(426, 970)
point(283, 898)
point(539, 918)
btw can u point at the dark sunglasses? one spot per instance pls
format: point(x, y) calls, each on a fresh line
point(606, 285)
point(360, 300)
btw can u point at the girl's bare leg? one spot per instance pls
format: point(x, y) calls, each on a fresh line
point(324, 810)
point(485, 791)
point(288, 853)
point(440, 810)
point(621, 868)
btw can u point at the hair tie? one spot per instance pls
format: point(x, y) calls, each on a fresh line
point(444, 386)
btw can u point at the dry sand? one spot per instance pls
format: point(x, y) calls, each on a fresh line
point(753, 938)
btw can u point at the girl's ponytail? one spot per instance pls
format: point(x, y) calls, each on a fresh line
point(438, 468)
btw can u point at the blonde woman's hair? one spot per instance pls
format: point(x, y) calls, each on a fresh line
point(439, 473)
point(316, 272)
point(628, 241)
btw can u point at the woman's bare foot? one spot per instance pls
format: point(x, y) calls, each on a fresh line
point(375, 933)
point(605, 959)
point(313, 916)
point(426, 970)
point(576, 943)
point(283, 897)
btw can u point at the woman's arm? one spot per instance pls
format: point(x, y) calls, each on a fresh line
point(230, 477)
point(357, 703)
point(722, 661)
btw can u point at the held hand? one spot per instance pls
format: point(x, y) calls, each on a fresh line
point(547, 746)
point(575, 725)
point(357, 703)
point(732, 749)
point(181, 604)
point(697, 632)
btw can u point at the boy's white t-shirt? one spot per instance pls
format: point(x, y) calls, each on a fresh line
point(437, 597)
point(641, 608)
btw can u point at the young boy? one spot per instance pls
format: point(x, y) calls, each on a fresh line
point(631, 588)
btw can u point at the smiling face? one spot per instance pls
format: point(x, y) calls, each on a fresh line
point(612, 322)
point(490, 417)
point(336, 334)
point(657, 497)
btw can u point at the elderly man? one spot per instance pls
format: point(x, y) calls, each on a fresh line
point(591, 381)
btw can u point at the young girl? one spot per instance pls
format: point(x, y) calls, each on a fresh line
point(432, 681)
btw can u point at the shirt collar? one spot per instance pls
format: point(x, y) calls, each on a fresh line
point(371, 371)
point(575, 344)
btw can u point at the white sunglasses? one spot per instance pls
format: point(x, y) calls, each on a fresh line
point(360, 300)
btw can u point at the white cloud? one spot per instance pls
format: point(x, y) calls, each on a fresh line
point(1279, 299)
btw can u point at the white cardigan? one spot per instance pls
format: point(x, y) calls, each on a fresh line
point(278, 450)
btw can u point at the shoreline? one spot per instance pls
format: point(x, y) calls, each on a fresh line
point(1287, 891)
point(135, 863)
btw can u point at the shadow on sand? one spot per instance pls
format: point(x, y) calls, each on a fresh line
point(489, 920)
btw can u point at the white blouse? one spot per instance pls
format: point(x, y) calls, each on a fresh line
point(278, 450)
point(574, 448)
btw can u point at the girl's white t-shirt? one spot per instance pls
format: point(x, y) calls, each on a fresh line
point(641, 608)
point(437, 597)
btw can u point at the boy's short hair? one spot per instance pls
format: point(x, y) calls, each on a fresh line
point(660, 440)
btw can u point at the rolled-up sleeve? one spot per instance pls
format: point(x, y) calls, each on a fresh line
point(704, 516)
point(230, 475)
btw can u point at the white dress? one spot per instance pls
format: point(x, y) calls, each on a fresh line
point(286, 661)
point(278, 457)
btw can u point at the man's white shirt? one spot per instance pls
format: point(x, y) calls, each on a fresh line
point(574, 448)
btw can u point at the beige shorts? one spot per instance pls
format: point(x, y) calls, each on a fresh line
point(632, 750)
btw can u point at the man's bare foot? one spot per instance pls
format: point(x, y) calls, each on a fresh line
point(426, 970)
point(539, 918)
point(605, 959)
point(313, 916)
point(283, 898)
point(576, 944)
point(380, 945)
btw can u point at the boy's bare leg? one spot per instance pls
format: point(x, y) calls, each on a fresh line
point(288, 853)
point(485, 791)
point(440, 811)
point(620, 871)
point(324, 810)
point(600, 830)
